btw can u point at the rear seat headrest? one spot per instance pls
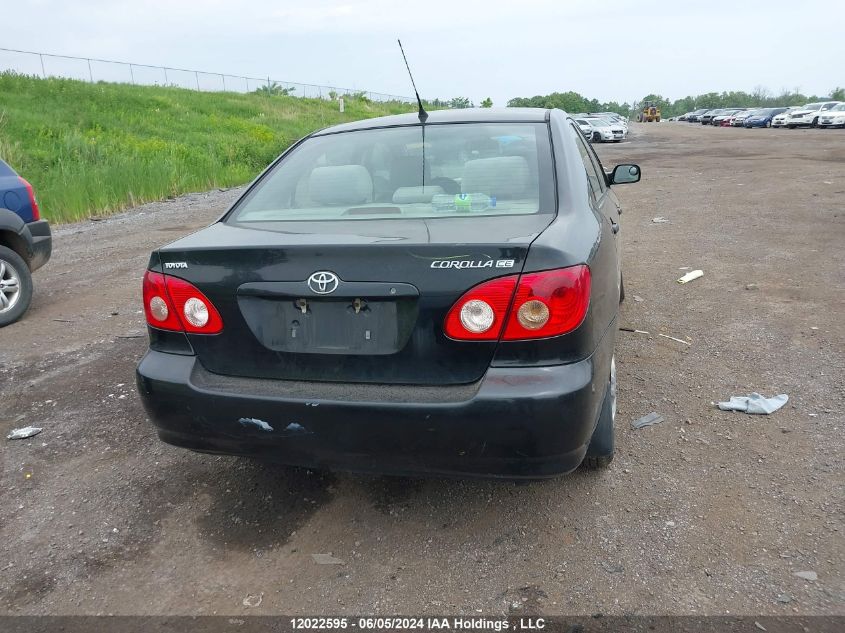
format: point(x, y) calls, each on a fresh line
point(501, 176)
point(341, 184)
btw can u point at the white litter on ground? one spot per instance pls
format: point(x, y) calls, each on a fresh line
point(679, 340)
point(647, 420)
point(693, 274)
point(754, 403)
point(25, 432)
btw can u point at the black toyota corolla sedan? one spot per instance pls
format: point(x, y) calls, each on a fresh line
point(400, 297)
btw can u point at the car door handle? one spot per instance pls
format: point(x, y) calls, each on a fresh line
point(614, 226)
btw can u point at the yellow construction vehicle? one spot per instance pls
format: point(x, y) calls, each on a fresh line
point(651, 112)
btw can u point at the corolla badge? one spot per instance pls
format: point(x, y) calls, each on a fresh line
point(323, 282)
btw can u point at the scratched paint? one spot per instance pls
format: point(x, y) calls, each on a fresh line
point(261, 424)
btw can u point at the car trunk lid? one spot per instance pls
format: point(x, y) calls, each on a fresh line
point(374, 310)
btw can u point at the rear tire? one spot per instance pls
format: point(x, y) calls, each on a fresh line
point(621, 288)
point(768, 124)
point(596, 137)
point(600, 451)
point(15, 286)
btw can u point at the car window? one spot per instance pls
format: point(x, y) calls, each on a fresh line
point(5, 170)
point(594, 177)
point(395, 173)
point(598, 167)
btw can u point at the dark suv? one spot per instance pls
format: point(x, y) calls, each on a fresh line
point(25, 244)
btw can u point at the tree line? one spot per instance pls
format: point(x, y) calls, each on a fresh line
point(571, 102)
point(574, 102)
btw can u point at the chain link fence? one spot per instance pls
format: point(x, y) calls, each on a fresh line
point(94, 70)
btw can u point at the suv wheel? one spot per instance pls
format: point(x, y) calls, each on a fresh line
point(15, 286)
point(600, 451)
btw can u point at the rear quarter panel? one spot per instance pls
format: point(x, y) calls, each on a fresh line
point(14, 196)
point(577, 235)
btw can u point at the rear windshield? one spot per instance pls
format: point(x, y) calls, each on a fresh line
point(5, 170)
point(457, 170)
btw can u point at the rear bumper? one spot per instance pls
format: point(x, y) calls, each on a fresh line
point(514, 423)
point(42, 243)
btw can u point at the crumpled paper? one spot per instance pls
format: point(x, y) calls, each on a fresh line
point(755, 403)
point(25, 432)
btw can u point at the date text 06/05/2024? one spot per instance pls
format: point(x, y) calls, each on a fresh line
point(416, 624)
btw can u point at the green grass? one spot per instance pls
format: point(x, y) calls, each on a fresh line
point(93, 149)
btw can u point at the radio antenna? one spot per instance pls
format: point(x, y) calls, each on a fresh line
point(423, 114)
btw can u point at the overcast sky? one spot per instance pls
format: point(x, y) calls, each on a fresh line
point(610, 50)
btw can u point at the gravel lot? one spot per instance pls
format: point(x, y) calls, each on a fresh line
point(707, 513)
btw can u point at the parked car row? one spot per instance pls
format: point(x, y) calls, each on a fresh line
point(817, 114)
point(602, 127)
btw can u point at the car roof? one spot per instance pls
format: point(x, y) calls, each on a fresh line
point(459, 115)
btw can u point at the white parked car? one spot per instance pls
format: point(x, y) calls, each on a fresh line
point(586, 128)
point(809, 114)
point(614, 117)
point(605, 130)
point(780, 119)
point(835, 117)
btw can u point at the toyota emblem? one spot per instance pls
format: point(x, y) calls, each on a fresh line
point(323, 282)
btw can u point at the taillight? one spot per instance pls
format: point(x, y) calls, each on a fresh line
point(480, 314)
point(171, 303)
point(549, 303)
point(158, 306)
point(36, 213)
point(520, 307)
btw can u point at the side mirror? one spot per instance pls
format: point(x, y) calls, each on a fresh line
point(623, 174)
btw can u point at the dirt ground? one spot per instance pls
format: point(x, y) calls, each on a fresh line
point(709, 512)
